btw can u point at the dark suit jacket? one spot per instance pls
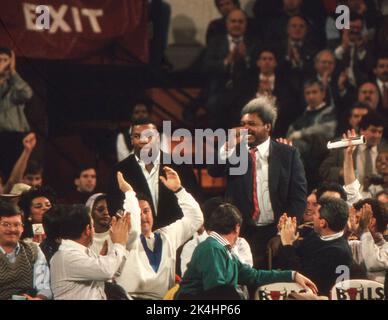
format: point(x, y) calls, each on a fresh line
point(168, 208)
point(286, 179)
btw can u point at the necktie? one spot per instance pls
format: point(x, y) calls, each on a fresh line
point(368, 163)
point(385, 96)
point(256, 209)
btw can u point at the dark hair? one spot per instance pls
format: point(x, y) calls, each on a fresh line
point(143, 197)
point(335, 212)
point(147, 102)
point(334, 187)
point(371, 119)
point(379, 212)
point(360, 105)
point(83, 167)
point(313, 82)
point(5, 50)
point(33, 168)
point(9, 210)
point(74, 222)
point(144, 121)
point(267, 49)
point(224, 219)
point(382, 192)
point(52, 221)
point(208, 207)
point(235, 2)
point(25, 203)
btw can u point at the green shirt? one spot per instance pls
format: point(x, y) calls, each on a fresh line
point(212, 265)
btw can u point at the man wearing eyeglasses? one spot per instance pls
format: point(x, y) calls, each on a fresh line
point(17, 278)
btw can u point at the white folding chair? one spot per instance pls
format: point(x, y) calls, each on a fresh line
point(357, 289)
point(278, 290)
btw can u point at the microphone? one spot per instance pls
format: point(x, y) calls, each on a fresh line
point(343, 143)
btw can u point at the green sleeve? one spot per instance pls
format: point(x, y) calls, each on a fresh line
point(251, 276)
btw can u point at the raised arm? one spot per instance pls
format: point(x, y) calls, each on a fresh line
point(131, 207)
point(181, 230)
point(17, 173)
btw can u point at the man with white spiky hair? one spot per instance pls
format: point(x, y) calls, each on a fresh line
point(274, 182)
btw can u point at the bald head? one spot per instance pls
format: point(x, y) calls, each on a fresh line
point(236, 23)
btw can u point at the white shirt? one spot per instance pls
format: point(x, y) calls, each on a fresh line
point(360, 161)
point(137, 276)
point(332, 236)
point(271, 80)
point(262, 152)
point(232, 44)
point(121, 147)
point(98, 241)
point(77, 273)
point(152, 179)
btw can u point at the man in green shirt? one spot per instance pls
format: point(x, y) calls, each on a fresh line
point(214, 272)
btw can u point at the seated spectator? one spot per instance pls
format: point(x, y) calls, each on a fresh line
point(85, 182)
point(241, 249)
point(214, 271)
point(281, 90)
point(381, 73)
point(18, 171)
point(319, 254)
point(372, 127)
point(335, 83)
point(14, 93)
point(368, 93)
point(141, 110)
point(355, 114)
point(354, 52)
point(380, 182)
point(310, 132)
point(77, 273)
point(33, 176)
point(24, 269)
point(274, 23)
point(217, 27)
point(101, 219)
point(149, 270)
point(34, 204)
point(51, 225)
point(371, 250)
point(318, 119)
point(296, 52)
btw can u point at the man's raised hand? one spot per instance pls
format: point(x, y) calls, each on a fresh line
point(172, 182)
point(123, 185)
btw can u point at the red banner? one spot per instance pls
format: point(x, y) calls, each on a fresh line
point(99, 31)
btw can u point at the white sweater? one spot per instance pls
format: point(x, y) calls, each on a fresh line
point(136, 275)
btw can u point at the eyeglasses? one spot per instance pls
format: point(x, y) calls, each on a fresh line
point(8, 225)
point(40, 205)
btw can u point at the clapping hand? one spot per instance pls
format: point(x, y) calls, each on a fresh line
point(366, 217)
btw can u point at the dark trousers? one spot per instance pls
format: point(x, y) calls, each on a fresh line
point(258, 238)
point(11, 146)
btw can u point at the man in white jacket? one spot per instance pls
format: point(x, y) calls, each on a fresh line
point(77, 273)
point(149, 269)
